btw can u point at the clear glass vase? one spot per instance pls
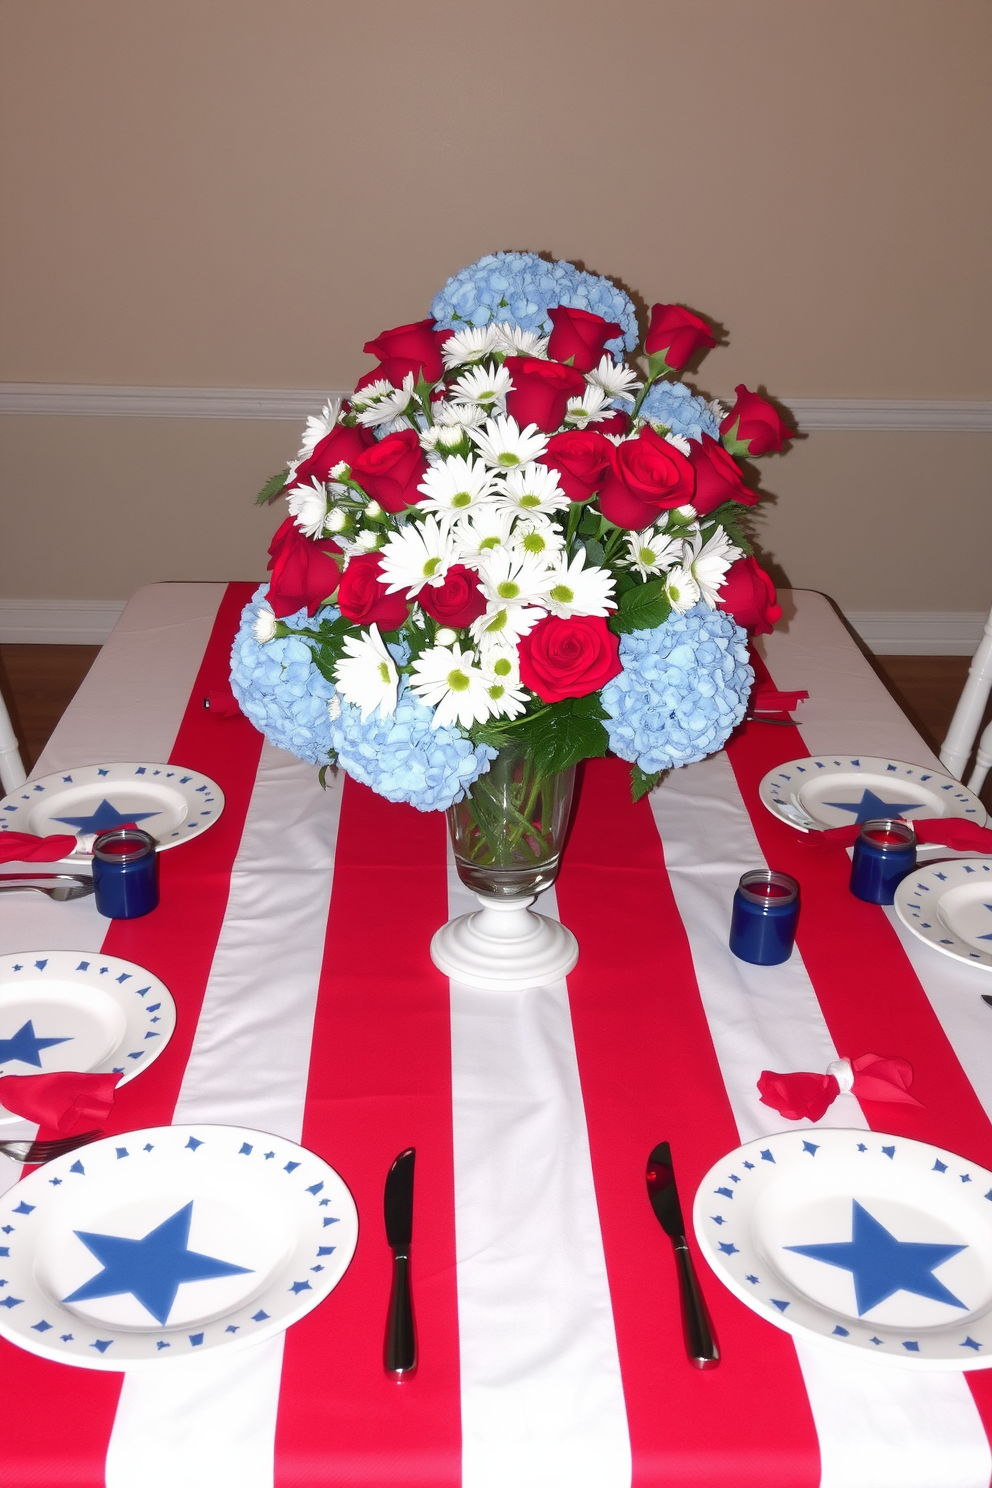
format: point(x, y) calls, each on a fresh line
point(509, 830)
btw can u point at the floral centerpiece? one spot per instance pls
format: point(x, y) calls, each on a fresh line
point(509, 543)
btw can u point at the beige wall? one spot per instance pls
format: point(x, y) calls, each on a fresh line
point(240, 192)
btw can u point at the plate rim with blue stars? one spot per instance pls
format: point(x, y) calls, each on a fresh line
point(736, 1258)
point(321, 1199)
point(204, 799)
point(145, 1000)
point(919, 893)
point(779, 790)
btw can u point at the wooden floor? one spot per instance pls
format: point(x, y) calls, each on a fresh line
point(39, 682)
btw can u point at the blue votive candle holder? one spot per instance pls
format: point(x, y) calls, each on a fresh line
point(125, 873)
point(883, 854)
point(766, 912)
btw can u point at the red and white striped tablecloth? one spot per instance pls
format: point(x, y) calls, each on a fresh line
point(293, 936)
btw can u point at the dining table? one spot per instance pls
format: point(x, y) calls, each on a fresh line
point(294, 936)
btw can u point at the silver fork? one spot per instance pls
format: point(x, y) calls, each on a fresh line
point(56, 886)
point(28, 1151)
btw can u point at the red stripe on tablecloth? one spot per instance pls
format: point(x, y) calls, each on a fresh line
point(649, 1073)
point(867, 989)
point(57, 1419)
point(380, 1080)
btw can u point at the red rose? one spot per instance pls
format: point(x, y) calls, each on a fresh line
point(752, 427)
point(617, 423)
point(541, 391)
point(646, 476)
point(748, 594)
point(341, 444)
point(580, 456)
point(718, 477)
point(304, 572)
point(409, 348)
point(568, 658)
point(363, 598)
point(389, 471)
point(580, 335)
point(675, 334)
point(456, 602)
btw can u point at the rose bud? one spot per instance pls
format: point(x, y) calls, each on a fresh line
point(646, 476)
point(456, 602)
point(568, 658)
point(409, 348)
point(541, 391)
point(304, 572)
point(390, 471)
point(342, 443)
point(580, 335)
point(363, 598)
point(748, 594)
point(674, 335)
point(617, 423)
point(753, 427)
point(581, 458)
point(718, 477)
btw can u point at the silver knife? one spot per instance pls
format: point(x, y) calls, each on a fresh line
point(399, 1354)
point(700, 1344)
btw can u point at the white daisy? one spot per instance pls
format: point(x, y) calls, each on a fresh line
point(615, 381)
point(334, 706)
point(366, 675)
point(486, 527)
point(538, 536)
point(371, 393)
point(264, 628)
point(386, 406)
point(505, 624)
point(319, 425)
point(448, 680)
point(445, 440)
point(457, 415)
point(485, 387)
point(532, 489)
point(469, 345)
point(368, 542)
point(336, 520)
point(505, 445)
point(455, 485)
point(682, 590)
point(308, 506)
point(710, 561)
point(577, 590)
point(446, 636)
point(590, 408)
point(420, 553)
point(651, 552)
point(508, 578)
point(717, 409)
point(680, 442)
point(501, 669)
point(513, 340)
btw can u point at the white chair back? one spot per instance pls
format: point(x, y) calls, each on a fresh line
point(968, 716)
point(12, 773)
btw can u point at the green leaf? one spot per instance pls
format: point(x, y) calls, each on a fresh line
point(640, 783)
point(590, 706)
point(566, 740)
point(595, 551)
point(590, 523)
point(272, 487)
point(642, 608)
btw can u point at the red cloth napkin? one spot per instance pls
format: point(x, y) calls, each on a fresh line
point(873, 1077)
point(965, 836)
point(24, 847)
point(767, 699)
point(70, 1102)
point(221, 703)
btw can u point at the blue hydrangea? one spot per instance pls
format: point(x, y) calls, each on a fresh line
point(278, 686)
point(682, 410)
point(683, 689)
point(404, 759)
point(521, 288)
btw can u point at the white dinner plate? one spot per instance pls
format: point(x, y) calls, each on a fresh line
point(170, 803)
point(847, 790)
point(867, 1241)
point(170, 1242)
point(76, 1010)
point(950, 907)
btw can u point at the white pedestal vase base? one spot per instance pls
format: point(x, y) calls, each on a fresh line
point(504, 946)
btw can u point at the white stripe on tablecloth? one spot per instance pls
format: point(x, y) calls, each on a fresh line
point(542, 1399)
point(877, 1428)
point(210, 1423)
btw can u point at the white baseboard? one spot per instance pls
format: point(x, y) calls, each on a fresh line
point(918, 632)
point(59, 622)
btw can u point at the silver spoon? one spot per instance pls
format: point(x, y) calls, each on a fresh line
point(60, 887)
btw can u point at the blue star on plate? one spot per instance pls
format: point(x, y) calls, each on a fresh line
point(152, 1268)
point(985, 937)
point(881, 1265)
point(871, 806)
point(27, 1046)
point(104, 818)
